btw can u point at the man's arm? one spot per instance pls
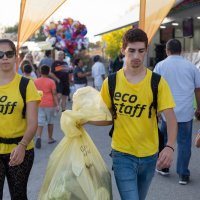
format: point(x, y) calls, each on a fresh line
point(103, 72)
point(83, 74)
point(166, 155)
point(52, 72)
point(101, 123)
point(197, 95)
point(52, 75)
point(55, 98)
point(103, 76)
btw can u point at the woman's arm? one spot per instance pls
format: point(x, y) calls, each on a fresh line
point(32, 121)
point(17, 155)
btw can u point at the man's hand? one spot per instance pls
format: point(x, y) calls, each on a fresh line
point(58, 80)
point(197, 114)
point(165, 158)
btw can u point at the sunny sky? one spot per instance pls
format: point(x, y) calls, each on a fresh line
point(95, 14)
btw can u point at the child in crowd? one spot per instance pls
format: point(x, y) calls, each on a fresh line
point(47, 106)
point(27, 71)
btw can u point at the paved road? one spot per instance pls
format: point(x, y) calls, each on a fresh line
point(162, 188)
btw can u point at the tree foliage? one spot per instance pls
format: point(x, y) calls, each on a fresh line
point(37, 36)
point(11, 29)
point(113, 42)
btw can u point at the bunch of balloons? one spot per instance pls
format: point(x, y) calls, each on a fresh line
point(67, 35)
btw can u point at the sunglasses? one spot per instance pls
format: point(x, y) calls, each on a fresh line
point(9, 54)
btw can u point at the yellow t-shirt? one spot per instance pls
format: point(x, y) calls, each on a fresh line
point(135, 133)
point(12, 124)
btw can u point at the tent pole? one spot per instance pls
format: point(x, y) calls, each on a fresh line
point(142, 14)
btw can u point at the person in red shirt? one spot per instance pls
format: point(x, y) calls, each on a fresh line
point(47, 105)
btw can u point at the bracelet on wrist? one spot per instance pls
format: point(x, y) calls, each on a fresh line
point(23, 144)
point(169, 147)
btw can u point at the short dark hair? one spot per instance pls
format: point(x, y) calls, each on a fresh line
point(120, 55)
point(47, 53)
point(76, 61)
point(23, 63)
point(134, 35)
point(96, 58)
point(45, 70)
point(174, 46)
point(10, 43)
point(28, 68)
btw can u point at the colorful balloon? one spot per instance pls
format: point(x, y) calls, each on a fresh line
point(68, 35)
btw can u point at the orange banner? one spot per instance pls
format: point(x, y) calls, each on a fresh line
point(152, 15)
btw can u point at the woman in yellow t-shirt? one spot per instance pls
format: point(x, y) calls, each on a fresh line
point(16, 133)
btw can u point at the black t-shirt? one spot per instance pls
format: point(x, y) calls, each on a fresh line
point(60, 69)
point(117, 65)
point(78, 80)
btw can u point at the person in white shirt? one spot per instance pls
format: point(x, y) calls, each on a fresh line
point(98, 73)
point(184, 81)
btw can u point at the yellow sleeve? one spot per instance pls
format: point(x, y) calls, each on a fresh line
point(31, 92)
point(105, 94)
point(165, 98)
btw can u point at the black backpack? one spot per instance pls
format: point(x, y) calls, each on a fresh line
point(155, 79)
point(22, 88)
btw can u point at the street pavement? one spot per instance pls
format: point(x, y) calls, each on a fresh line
point(162, 188)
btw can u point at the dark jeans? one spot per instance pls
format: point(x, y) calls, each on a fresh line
point(17, 176)
point(184, 141)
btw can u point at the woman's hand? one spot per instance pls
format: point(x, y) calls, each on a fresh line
point(17, 155)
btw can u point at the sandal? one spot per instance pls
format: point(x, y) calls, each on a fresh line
point(51, 141)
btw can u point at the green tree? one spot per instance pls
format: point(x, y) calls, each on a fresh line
point(11, 29)
point(37, 36)
point(113, 42)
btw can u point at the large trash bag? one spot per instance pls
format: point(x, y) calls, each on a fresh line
point(76, 170)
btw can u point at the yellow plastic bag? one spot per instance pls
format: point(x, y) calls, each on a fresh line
point(76, 170)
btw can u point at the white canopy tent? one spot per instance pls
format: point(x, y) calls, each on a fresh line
point(131, 18)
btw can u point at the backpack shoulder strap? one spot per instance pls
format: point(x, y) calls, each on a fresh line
point(111, 87)
point(22, 88)
point(155, 79)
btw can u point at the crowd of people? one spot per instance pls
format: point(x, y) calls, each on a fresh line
point(135, 153)
point(54, 78)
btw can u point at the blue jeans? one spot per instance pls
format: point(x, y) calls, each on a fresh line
point(184, 141)
point(133, 175)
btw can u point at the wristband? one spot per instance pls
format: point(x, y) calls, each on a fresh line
point(169, 147)
point(23, 144)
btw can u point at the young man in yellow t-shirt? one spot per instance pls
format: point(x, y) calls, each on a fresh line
point(135, 135)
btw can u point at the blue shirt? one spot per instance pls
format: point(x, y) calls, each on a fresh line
point(46, 61)
point(183, 77)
